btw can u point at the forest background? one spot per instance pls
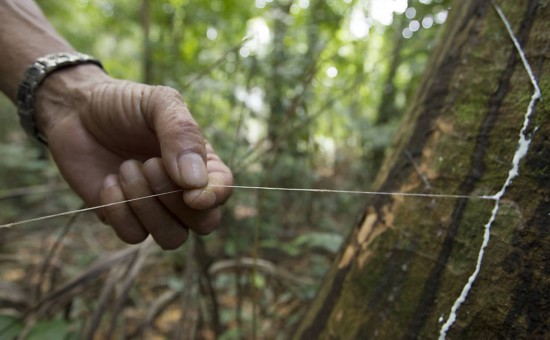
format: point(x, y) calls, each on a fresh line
point(299, 94)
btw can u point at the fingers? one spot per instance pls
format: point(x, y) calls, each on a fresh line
point(165, 217)
point(201, 221)
point(120, 216)
point(134, 121)
point(140, 217)
point(182, 144)
point(218, 191)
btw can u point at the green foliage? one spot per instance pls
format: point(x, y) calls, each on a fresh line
point(10, 327)
point(304, 244)
point(51, 329)
point(289, 95)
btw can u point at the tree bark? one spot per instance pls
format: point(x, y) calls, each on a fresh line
point(408, 260)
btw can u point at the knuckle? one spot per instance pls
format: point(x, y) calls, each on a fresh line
point(172, 121)
point(167, 92)
point(157, 99)
point(162, 95)
point(186, 126)
point(167, 98)
point(186, 131)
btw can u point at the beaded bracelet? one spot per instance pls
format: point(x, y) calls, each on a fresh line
point(34, 76)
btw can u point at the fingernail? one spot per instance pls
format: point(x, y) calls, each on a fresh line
point(192, 170)
point(110, 181)
point(130, 172)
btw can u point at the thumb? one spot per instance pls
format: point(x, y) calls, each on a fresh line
point(181, 142)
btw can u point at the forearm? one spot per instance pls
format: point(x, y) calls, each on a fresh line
point(25, 35)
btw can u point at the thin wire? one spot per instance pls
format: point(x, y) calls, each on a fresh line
point(247, 187)
point(355, 192)
point(36, 219)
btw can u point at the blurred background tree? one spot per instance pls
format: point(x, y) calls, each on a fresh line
point(291, 94)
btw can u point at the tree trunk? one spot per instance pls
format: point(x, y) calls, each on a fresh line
point(407, 262)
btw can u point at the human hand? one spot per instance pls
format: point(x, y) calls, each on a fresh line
point(115, 140)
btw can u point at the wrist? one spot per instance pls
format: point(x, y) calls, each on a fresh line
point(64, 93)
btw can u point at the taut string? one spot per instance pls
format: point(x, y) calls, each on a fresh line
point(247, 187)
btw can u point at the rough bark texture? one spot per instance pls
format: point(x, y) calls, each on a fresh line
point(408, 260)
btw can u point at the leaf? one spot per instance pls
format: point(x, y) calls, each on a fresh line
point(259, 281)
point(10, 327)
point(330, 242)
point(50, 329)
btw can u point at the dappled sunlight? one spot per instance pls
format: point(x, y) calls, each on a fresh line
point(257, 38)
point(383, 10)
point(300, 94)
